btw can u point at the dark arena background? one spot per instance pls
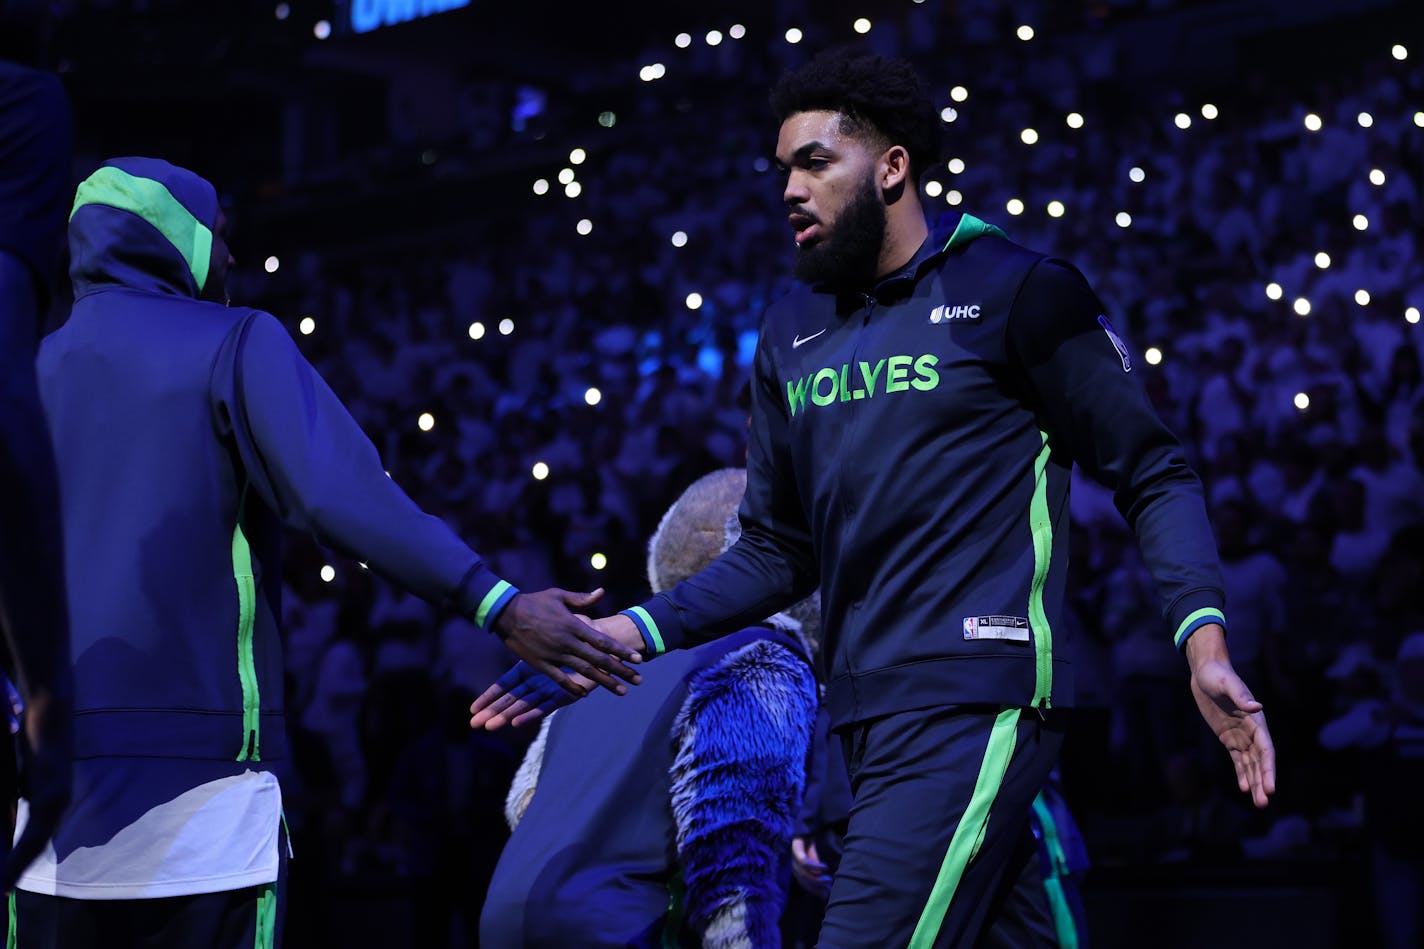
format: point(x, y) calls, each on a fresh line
point(528, 245)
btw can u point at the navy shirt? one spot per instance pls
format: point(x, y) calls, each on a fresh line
point(35, 141)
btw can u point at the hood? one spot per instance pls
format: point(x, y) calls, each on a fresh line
point(142, 224)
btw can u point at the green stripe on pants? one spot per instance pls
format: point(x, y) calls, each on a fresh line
point(972, 827)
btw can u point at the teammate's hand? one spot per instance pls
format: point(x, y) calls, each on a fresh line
point(1233, 714)
point(541, 629)
point(522, 695)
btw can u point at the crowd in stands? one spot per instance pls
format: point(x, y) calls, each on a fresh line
point(1293, 380)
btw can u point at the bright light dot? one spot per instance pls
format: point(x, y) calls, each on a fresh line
point(606, 119)
point(1365, 120)
point(694, 301)
point(1014, 206)
point(653, 71)
point(1182, 120)
point(566, 175)
point(737, 31)
point(307, 326)
point(862, 25)
point(1055, 209)
point(1302, 306)
point(948, 114)
point(1322, 260)
point(953, 197)
point(541, 186)
point(328, 573)
point(959, 93)
point(598, 561)
point(283, 11)
point(363, 565)
point(477, 330)
point(506, 326)
point(1361, 222)
point(426, 421)
point(1302, 401)
point(1411, 315)
point(1312, 122)
point(1123, 219)
point(577, 156)
point(679, 238)
point(1025, 32)
point(584, 227)
point(1376, 176)
point(793, 35)
point(592, 396)
point(1153, 356)
point(1137, 174)
point(1362, 297)
point(1029, 136)
point(934, 189)
point(1399, 52)
point(271, 264)
point(1419, 119)
point(322, 29)
point(956, 166)
point(1075, 120)
point(683, 41)
point(1209, 111)
point(540, 471)
point(1274, 291)
point(573, 189)
point(714, 37)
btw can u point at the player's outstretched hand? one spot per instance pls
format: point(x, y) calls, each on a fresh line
point(541, 629)
point(522, 695)
point(1233, 713)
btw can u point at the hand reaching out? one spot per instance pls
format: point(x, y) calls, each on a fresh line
point(524, 694)
point(541, 629)
point(1233, 714)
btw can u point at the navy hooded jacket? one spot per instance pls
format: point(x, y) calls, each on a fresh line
point(187, 434)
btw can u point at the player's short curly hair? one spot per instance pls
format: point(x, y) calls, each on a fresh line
point(882, 99)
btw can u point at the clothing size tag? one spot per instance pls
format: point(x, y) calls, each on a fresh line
point(1012, 628)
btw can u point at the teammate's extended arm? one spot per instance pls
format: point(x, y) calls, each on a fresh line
point(310, 462)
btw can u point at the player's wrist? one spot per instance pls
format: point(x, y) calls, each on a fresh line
point(1205, 645)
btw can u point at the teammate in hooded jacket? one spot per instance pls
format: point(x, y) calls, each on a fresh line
point(916, 410)
point(188, 433)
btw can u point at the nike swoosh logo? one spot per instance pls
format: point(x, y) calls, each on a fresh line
point(796, 343)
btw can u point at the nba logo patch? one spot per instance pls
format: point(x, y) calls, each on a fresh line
point(971, 627)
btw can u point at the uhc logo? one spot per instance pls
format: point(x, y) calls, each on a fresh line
point(943, 314)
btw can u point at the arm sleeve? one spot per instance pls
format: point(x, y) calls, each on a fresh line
point(771, 565)
point(737, 777)
point(311, 463)
point(1098, 413)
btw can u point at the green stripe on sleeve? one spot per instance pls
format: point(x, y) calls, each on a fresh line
point(488, 603)
point(969, 834)
point(1194, 620)
point(11, 940)
point(150, 200)
point(651, 627)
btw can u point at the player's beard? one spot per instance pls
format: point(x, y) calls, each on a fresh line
point(848, 256)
